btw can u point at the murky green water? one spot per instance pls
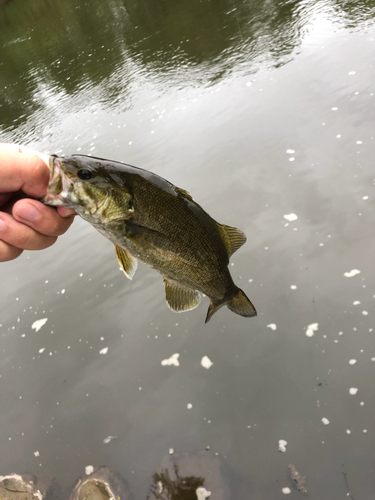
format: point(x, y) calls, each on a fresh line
point(260, 110)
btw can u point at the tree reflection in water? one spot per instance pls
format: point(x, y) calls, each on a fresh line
point(180, 488)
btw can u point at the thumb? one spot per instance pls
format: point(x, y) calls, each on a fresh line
point(23, 170)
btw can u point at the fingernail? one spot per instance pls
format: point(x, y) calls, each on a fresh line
point(66, 212)
point(2, 225)
point(28, 212)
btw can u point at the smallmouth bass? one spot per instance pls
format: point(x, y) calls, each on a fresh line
point(149, 219)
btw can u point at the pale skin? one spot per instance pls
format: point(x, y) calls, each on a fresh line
point(27, 224)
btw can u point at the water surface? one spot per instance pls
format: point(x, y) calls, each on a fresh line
point(260, 110)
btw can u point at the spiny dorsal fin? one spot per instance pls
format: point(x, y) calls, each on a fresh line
point(185, 193)
point(179, 298)
point(233, 238)
point(127, 262)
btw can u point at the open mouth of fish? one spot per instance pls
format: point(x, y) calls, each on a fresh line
point(60, 189)
point(64, 191)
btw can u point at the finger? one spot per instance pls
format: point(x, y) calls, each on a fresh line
point(5, 146)
point(45, 220)
point(23, 171)
point(22, 236)
point(66, 212)
point(8, 252)
point(17, 148)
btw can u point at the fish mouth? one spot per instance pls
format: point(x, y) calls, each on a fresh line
point(65, 190)
point(59, 187)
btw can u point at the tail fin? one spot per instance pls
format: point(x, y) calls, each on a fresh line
point(239, 304)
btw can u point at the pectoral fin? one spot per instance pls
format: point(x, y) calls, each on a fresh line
point(179, 298)
point(232, 237)
point(127, 262)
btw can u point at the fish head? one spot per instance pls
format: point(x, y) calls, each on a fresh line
point(85, 184)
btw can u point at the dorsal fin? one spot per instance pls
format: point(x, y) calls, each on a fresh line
point(232, 237)
point(185, 193)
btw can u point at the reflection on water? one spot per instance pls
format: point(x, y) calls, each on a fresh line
point(263, 111)
point(173, 44)
point(183, 488)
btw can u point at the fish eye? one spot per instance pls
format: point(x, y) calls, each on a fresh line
point(84, 174)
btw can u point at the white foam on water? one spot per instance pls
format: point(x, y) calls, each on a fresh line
point(206, 362)
point(293, 287)
point(42, 350)
point(365, 313)
point(202, 493)
point(352, 361)
point(189, 406)
point(282, 445)
point(36, 453)
point(356, 303)
point(290, 151)
point(104, 350)
point(108, 439)
point(89, 469)
point(286, 491)
point(37, 325)
point(352, 273)
point(325, 421)
point(291, 217)
point(351, 73)
point(272, 326)
point(311, 329)
point(173, 360)
point(353, 391)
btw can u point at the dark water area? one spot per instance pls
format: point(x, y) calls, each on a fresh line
point(264, 112)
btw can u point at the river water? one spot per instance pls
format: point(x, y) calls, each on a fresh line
point(264, 111)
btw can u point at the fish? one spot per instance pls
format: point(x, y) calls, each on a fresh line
point(149, 219)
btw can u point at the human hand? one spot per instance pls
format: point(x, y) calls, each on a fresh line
point(26, 223)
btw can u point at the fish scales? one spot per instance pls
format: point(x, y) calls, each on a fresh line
point(192, 237)
point(149, 219)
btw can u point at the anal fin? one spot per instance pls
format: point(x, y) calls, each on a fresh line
point(127, 262)
point(179, 298)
